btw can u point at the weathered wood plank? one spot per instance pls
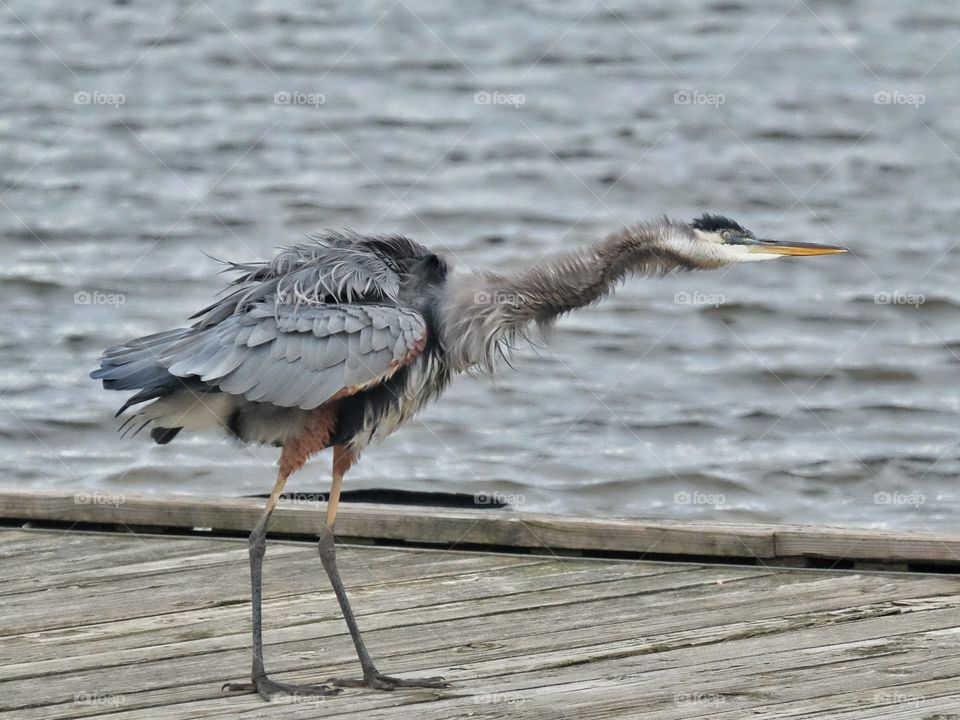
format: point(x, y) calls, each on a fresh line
point(851, 544)
point(496, 665)
point(297, 557)
point(209, 587)
point(836, 591)
point(412, 524)
point(494, 527)
point(701, 668)
point(148, 633)
point(297, 649)
point(458, 596)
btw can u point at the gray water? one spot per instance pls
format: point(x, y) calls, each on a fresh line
point(134, 137)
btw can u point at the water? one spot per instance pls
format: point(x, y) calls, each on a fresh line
point(135, 137)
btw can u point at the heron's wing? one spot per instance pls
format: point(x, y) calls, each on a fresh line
point(300, 356)
point(334, 268)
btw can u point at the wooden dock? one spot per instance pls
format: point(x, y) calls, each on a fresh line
point(126, 607)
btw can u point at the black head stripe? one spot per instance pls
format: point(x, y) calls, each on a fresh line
point(715, 223)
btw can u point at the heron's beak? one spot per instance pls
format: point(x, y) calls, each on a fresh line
point(773, 247)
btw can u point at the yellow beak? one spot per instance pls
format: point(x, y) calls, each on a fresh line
point(772, 247)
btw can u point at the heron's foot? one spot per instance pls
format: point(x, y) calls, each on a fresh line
point(267, 688)
point(384, 682)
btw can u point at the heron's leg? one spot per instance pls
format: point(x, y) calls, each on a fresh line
point(259, 682)
point(342, 459)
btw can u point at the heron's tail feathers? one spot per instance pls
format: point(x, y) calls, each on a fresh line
point(181, 410)
point(136, 366)
point(178, 402)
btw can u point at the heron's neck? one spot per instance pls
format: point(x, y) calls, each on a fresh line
point(485, 312)
point(583, 277)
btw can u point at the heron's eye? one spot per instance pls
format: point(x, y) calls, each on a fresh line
point(726, 234)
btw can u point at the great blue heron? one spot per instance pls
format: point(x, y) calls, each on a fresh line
point(338, 341)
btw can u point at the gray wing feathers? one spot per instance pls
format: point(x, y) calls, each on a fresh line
point(333, 268)
point(263, 332)
point(310, 273)
point(134, 365)
point(320, 318)
point(252, 376)
point(329, 354)
point(300, 356)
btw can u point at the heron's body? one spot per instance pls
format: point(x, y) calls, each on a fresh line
point(338, 341)
point(340, 333)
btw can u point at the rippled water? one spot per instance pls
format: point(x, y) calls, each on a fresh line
point(134, 137)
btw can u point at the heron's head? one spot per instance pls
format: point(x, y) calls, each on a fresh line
point(730, 242)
